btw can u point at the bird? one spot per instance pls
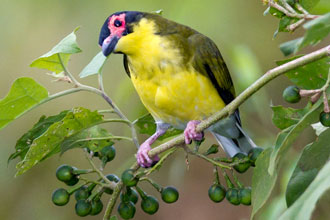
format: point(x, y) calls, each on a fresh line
point(179, 75)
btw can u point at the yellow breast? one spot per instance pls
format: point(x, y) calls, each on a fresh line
point(172, 92)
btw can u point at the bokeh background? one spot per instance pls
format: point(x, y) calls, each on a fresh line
point(245, 37)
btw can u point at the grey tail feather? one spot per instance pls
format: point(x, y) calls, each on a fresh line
point(242, 144)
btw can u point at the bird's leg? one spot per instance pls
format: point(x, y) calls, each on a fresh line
point(191, 134)
point(142, 156)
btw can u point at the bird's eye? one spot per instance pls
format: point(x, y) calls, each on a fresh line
point(117, 23)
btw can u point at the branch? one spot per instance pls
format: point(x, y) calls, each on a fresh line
point(229, 109)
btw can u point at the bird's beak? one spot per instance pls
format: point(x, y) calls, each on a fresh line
point(109, 44)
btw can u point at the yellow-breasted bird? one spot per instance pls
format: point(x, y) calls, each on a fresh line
point(179, 75)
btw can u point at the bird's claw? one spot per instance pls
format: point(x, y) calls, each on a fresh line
point(190, 133)
point(143, 158)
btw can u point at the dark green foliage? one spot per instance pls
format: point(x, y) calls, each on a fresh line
point(217, 193)
point(60, 197)
point(170, 194)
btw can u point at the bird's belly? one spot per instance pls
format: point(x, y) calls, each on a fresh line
point(178, 98)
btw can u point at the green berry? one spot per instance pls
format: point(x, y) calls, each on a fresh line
point(245, 195)
point(82, 193)
point(60, 197)
point(126, 210)
point(325, 119)
point(243, 166)
point(97, 207)
point(73, 181)
point(254, 154)
point(128, 178)
point(108, 152)
point(64, 173)
point(130, 195)
point(83, 208)
point(150, 205)
point(232, 196)
point(112, 178)
point(217, 193)
point(291, 94)
point(170, 194)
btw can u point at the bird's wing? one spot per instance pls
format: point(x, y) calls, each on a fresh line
point(208, 61)
point(126, 66)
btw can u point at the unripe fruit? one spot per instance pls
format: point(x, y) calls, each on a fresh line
point(245, 195)
point(73, 181)
point(108, 152)
point(97, 207)
point(128, 178)
point(64, 173)
point(170, 194)
point(254, 154)
point(243, 166)
point(126, 210)
point(60, 197)
point(325, 119)
point(291, 94)
point(150, 205)
point(130, 195)
point(82, 193)
point(217, 193)
point(83, 208)
point(112, 178)
point(232, 196)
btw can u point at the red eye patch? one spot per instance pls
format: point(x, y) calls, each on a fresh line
point(118, 31)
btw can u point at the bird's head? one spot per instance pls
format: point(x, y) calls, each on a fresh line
point(115, 27)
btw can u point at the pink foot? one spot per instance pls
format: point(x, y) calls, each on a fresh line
point(190, 133)
point(143, 158)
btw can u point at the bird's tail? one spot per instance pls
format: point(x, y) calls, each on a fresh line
point(240, 144)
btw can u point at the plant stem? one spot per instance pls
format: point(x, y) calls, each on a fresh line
point(209, 159)
point(112, 202)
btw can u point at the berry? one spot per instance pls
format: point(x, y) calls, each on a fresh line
point(243, 166)
point(170, 194)
point(126, 210)
point(83, 208)
point(112, 178)
point(82, 193)
point(245, 195)
point(60, 197)
point(150, 205)
point(129, 178)
point(217, 193)
point(64, 173)
point(232, 196)
point(130, 195)
point(254, 154)
point(108, 152)
point(97, 207)
point(291, 94)
point(325, 119)
point(73, 181)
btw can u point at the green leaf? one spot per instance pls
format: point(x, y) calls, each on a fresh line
point(286, 117)
point(23, 144)
point(308, 4)
point(262, 181)
point(303, 208)
point(49, 143)
point(313, 158)
point(284, 143)
point(94, 138)
point(95, 66)
point(25, 93)
point(65, 48)
point(147, 125)
point(316, 30)
point(310, 76)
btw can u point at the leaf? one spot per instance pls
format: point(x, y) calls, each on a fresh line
point(316, 30)
point(286, 117)
point(285, 21)
point(313, 158)
point(23, 144)
point(24, 94)
point(49, 143)
point(95, 66)
point(309, 4)
point(319, 128)
point(262, 181)
point(309, 76)
point(65, 48)
point(147, 125)
point(85, 139)
point(303, 208)
point(284, 143)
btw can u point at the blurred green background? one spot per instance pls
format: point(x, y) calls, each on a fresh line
point(32, 27)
